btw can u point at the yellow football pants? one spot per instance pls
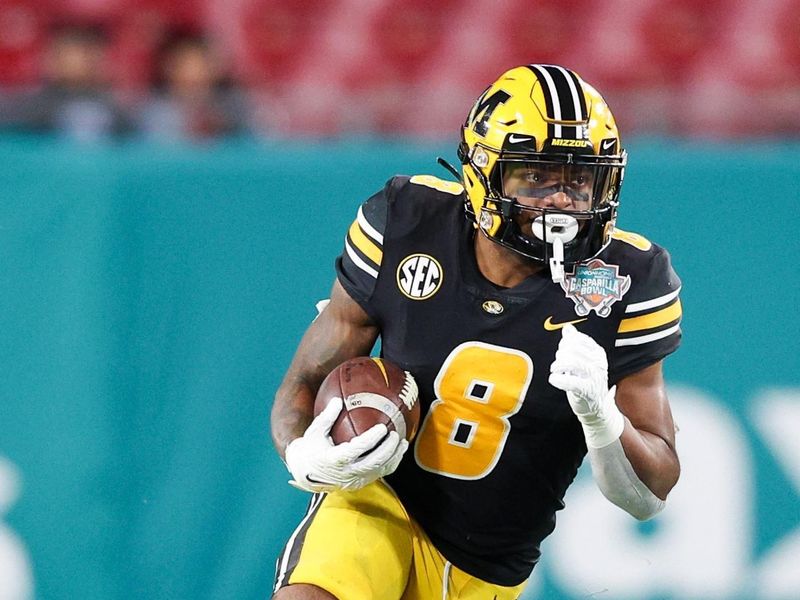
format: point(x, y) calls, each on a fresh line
point(363, 546)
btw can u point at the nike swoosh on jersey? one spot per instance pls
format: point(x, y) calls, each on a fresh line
point(550, 326)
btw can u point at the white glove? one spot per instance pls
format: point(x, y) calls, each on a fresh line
point(581, 370)
point(318, 465)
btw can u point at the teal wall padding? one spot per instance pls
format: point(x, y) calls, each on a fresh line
point(152, 297)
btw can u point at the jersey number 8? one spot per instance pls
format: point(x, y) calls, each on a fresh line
point(477, 389)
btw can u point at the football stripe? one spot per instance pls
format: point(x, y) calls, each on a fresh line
point(647, 338)
point(379, 362)
point(365, 244)
point(571, 98)
point(566, 96)
point(647, 304)
point(358, 261)
point(651, 320)
point(578, 91)
point(550, 98)
point(291, 553)
point(368, 229)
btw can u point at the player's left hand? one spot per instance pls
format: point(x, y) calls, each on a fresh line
point(581, 370)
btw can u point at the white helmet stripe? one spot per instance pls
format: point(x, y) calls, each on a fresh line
point(551, 86)
point(575, 98)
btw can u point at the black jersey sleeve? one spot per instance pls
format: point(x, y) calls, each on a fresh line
point(650, 327)
point(359, 264)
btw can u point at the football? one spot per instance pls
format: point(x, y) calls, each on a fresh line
point(374, 391)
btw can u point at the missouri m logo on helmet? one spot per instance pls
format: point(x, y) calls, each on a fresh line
point(484, 108)
point(550, 132)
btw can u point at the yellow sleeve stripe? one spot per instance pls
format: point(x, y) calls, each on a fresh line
point(655, 319)
point(634, 239)
point(449, 187)
point(369, 248)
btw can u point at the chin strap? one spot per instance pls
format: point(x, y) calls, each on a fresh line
point(555, 229)
point(557, 261)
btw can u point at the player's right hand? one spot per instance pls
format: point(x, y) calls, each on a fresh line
point(319, 465)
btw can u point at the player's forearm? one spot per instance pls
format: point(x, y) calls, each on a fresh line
point(340, 332)
point(293, 408)
point(634, 468)
point(652, 458)
point(292, 411)
point(636, 471)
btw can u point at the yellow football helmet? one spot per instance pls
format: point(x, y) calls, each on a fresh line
point(542, 165)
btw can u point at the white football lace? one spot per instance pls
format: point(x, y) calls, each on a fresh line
point(410, 391)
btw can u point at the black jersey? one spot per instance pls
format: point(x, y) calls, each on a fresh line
point(498, 445)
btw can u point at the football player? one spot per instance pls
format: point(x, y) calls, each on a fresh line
point(536, 331)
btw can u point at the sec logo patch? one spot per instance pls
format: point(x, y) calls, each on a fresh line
point(419, 276)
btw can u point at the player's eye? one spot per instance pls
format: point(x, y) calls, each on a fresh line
point(581, 179)
point(533, 177)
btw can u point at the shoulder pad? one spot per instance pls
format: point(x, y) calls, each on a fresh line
point(441, 185)
point(633, 239)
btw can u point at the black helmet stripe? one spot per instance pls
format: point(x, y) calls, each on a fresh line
point(548, 98)
point(578, 91)
point(563, 98)
point(566, 97)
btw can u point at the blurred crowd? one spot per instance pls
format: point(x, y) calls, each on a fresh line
point(204, 69)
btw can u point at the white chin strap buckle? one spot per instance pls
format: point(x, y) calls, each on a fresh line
point(557, 261)
point(555, 229)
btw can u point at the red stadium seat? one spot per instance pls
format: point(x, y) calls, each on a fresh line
point(278, 36)
point(788, 36)
point(23, 27)
point(140, 27)
point(402, 40)
point(186, 13)
point(765, 80)
point(547, 31)
point(677, 34)
point(406, 34)
point(412, 66)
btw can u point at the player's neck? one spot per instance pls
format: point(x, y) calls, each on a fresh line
point(500, 265)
